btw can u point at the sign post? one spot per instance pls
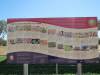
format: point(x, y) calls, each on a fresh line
point(25, 69)
point(79, 68)
point(57, 72)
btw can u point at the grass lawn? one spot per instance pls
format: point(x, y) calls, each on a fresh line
point(3, 53)
point(2, 58)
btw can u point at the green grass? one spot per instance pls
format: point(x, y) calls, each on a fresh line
point(2, 58)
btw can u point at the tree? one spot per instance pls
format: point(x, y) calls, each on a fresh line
point(3, 32)
point(99, 25)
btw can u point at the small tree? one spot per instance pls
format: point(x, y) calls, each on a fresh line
point(3, 32)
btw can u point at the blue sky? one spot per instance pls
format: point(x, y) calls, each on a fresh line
point(49, 8)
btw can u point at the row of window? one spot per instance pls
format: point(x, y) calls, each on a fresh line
point(36, 41)
point(26, 28)
point(50, 44)
point(59, 33)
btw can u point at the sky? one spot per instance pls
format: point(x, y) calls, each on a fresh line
point(49, 8)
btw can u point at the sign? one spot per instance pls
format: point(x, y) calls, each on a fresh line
point(34, 40)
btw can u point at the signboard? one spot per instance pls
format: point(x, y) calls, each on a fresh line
point(34, 40)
